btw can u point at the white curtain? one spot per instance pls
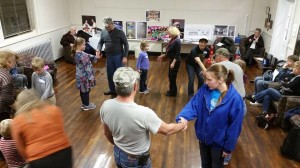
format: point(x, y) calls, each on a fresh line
point(281, 29)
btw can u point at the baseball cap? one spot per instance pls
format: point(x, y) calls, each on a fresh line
point(223, 51)
point(203, 38)
point(107, 21)
point(125, 77)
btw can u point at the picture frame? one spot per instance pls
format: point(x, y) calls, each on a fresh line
point(269, 16)
point(267, 10)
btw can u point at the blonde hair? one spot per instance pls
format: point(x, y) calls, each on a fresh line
point(5, 56)
point(5, 128)
point(241, 63)
point(173, 31)
point(143, 44)
point(27, 100)
point(37, 63)
point(297, 64)
point(78, 41)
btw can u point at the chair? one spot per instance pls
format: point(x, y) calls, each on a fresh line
point(273, 63)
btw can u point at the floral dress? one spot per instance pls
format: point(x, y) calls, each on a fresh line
point(85, 76)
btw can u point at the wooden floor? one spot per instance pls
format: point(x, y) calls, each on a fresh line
point(256, 148)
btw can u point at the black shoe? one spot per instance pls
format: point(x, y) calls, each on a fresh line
point(250, 98)
point(110, 93)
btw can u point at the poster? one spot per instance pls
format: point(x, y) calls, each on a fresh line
point(231, 30)
point(157, 32)
point(153, 15)
point(118, 24)
point(88, 21)
point(130, 30)
point(193, 32)
point(141, 30)
point(179, 23)
point(221, 30)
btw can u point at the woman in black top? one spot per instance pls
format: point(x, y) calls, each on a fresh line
point(173, 53)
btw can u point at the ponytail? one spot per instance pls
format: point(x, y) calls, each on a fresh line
point(78, 41)
point(230, 77)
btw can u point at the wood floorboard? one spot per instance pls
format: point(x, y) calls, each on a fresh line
point(256, 148)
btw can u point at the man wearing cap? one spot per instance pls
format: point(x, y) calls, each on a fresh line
point(194, 64)
point(116, 50)
point(127, 125)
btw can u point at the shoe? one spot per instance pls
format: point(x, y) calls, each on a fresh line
point(256, 104)
point(108, 92)
point(250, 98)
point(145, 92)
point(82, 106)
point(149, 89)
point(227, 160)
point(91, 106)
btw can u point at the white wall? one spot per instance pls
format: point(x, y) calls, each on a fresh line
point(245, 14)
point(51, 19)
point(295, 29)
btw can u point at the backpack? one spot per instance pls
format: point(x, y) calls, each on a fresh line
point(291, 144)
point(261, 122)
point(268, 75)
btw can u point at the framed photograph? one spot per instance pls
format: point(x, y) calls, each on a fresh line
point(88, 21)
point(131, 29)
point(269, 16)
point(267, 10)
point(118, 24)
point(153, 15)
point(141, 30)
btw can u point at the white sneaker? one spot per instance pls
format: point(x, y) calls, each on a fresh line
point(91, 106)
point(145, 92)
point(256, 104)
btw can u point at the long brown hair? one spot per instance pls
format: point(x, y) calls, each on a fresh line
point(220, 71)
point(78, 41)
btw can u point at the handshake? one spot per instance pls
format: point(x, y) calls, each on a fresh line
point(183, 122)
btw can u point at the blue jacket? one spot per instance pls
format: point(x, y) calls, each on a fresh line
point(220, 127)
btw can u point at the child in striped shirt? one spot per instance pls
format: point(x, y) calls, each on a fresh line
point(8, 146)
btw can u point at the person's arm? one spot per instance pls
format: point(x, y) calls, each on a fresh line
point(125, 43)
point(169, 129)
point(49, 87)
point(177, 47)
point(139, 61)
point(235, 118)
point(249, 40)
point(292, 85)
point(159, 58)
point(260, 42)
point(108, 134)
point(197, 59)
point(17, 136)
point(33, 80)
point(101, 42)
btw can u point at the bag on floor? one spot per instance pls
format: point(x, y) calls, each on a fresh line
point(291, 144)
point(261, 122)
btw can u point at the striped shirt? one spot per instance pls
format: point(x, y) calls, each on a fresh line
point(5, 77)
point(7, 91)
point(10, 153)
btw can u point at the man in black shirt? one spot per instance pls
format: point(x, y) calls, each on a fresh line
point(253, 45)
point(194, 64)
point(116, 51)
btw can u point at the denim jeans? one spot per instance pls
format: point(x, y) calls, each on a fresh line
point(123, 160)
point(211, 157)
point(267, 96)
point(113, 62)
point(260, 84)
point(143, 79)
point(191, 71)
point(20, 80)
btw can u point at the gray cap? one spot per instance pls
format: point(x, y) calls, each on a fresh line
point(107, 21)
point(125, 77)
point(223, 51)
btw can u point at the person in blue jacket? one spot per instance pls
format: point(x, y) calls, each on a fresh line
point(219, 110)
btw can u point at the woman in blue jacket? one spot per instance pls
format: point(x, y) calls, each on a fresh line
point(219, 111)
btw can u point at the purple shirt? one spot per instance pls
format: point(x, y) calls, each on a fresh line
point(143, 61)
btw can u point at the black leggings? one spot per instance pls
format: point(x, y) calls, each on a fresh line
point(60, 159)
point(85, 98)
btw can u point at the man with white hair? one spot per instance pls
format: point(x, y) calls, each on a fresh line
point(127, 125)
point(67, 42)
point(116, 50)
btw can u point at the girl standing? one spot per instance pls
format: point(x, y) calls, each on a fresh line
point(85, 77)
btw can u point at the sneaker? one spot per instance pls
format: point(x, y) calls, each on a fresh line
point(256, 104)
point(250, 98)
point(82, 106)
point(145, 92)
point(91, 106)
point(148, 89)
point(227, 160)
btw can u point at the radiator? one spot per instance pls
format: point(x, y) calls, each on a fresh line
point(43, 50)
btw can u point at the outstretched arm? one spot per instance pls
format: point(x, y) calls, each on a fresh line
point(108, 134)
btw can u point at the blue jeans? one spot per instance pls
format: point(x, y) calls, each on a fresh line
point(20, 80)
point(123, 160)
point(211, 157)
point(143, 85)
point(267, 96)
point(113, 62)
point(191, 71)
point(260, 84)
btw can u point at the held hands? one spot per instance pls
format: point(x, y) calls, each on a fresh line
point(224, 154)
point(98, 55)
point(183, 121)
point(124, 60)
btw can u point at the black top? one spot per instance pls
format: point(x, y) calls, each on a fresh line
point(259, 44)
point(196, 52)
point(292, 87)
point(173, 49)
point(83, 35)
point(114, 42)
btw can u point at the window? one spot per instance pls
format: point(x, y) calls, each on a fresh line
point(14, 17)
